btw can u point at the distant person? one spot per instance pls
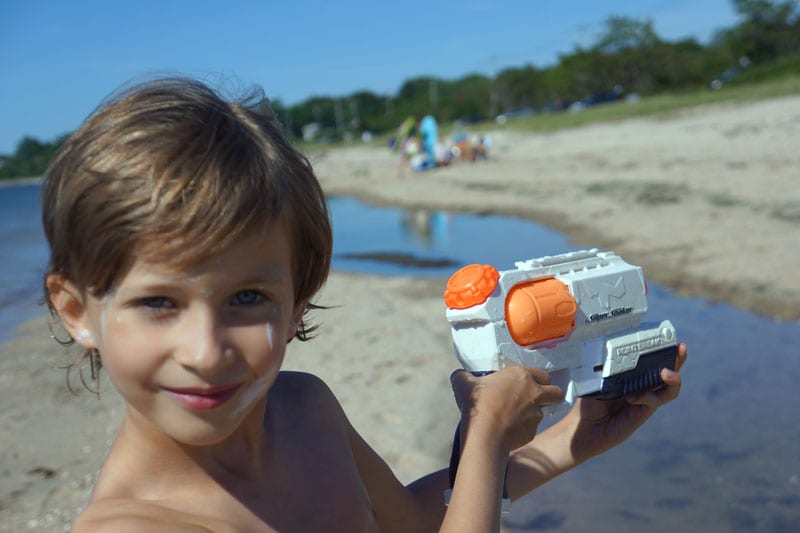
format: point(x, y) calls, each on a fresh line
point(481, 148)
point(429, 132)
point(406, 144)
point(187, 241)
point(442, 154)
point(405, 131)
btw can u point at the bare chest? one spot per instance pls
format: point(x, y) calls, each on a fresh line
point(305, 493)
point(318, 488)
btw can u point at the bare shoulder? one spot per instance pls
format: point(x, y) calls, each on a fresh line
point(302, 381)
point(123, 516)
point(301, 405)
point(302, 389)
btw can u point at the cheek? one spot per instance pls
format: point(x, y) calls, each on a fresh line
point(265, 348)
point(273, 331)
point(126, 349)
point(271, 337)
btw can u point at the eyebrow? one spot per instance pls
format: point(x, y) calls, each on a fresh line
point(156, 280)
point(266, 277)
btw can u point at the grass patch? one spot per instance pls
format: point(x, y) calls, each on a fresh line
point(788, 212)
point(781, 68)
point(660, 105)
point(661, 193)
point(721, 199)
point(610, 188)
point(749, 86)
point(644, 193)
point(489, 187)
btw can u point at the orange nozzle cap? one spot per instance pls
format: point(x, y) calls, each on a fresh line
point(540, 310)
point(470, 285)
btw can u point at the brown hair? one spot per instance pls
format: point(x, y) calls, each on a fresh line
point(169, 168)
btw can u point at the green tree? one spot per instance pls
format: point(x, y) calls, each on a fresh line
point(624, 33)
point(30, 158)
point(520, 88)
point(769, 30)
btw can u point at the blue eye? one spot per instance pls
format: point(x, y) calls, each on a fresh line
point(248, 297)
point(157, 302)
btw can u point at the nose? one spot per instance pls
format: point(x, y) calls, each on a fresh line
point(203, 346)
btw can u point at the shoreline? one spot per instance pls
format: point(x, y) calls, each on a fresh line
point(16, 182)
point(706, 201)
point(614, 183)
point(750, 299)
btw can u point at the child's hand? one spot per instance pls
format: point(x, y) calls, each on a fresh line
point(602, 424)
point(505, 405)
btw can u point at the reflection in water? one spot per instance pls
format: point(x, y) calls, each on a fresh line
point(426, 231)
point(372, 239)
point(725, 456)
point(401, 259)
point(429, 228)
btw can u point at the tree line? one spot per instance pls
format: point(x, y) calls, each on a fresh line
point(628, 57)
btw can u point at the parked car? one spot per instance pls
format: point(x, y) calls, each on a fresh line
point(514, 113)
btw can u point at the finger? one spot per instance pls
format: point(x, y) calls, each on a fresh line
point(681, 358)
point(673, 381)
point(539, 376)
point(670, 377)
point(647, 399)
point(661, 396)
point(460, 383)
point(551, 394)
point(459, 376)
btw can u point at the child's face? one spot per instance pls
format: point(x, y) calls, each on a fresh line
point(194, 352)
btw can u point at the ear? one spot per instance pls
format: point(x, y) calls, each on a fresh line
point(69, 304)
point(295, 319)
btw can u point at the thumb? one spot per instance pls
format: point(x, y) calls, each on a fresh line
point(462, 382)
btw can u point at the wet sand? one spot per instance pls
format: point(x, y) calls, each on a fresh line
point(707, 201)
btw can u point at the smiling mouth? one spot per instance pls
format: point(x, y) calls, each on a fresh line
point(202, 399)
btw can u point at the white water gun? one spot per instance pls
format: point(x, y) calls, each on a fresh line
point(577, 316)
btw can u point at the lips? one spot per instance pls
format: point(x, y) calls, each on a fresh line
point(204, 398)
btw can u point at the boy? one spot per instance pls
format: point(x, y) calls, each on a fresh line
point(187, 240)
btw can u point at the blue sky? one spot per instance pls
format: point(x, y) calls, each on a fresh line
point(59, 59)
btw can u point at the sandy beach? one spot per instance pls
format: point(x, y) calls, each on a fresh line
point(706, 200)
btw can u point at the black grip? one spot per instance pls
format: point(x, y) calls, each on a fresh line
point(646, 375)
point(455, 454)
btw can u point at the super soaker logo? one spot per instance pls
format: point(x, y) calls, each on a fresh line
point(639, 347)
point(602, 292)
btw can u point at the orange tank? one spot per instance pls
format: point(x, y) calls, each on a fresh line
point(470, 285)
point(540, 310)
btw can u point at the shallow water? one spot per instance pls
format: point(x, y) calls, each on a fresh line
point(23, 257)
point(725, 456)
point(425, 243)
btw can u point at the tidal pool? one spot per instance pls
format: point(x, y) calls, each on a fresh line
point(393, 241)
point(725, 456)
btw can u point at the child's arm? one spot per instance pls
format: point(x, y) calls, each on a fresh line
point(500, 413)
point(589, 429)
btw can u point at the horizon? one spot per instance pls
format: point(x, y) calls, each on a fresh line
point(60, 61)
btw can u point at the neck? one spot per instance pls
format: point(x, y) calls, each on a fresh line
point(158, 463)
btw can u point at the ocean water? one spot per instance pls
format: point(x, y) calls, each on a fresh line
point(725, 456)
point(23, 256)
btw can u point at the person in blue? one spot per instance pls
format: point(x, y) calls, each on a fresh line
point(428, 130)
